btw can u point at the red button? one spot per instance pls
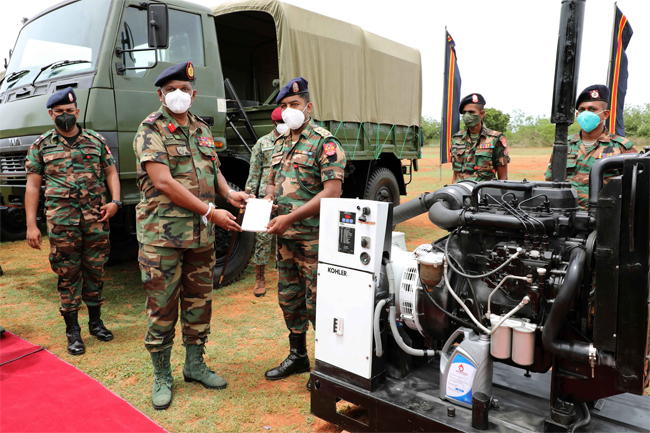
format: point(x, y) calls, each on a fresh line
point(476, 167)
point(295, 166)
point(88, 157)
point(493, 171)
point(213, 158)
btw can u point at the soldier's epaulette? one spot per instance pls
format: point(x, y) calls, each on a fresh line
point(151, 119)
point(43, 137)
point(202, 121)
point(458, 134)
point(97, 135)
point(622, 141)
point(493, 133)
point(322, 131)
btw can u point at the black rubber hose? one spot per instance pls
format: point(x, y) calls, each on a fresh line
point(576, 351)
point(450, 315)
point(583, 422)
point(413, 208)
point(443, 217)
point(598, 171)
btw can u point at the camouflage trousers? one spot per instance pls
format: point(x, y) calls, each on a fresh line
point(174, 276)
point(297, 263)
point(262, 248)
point(77, 255)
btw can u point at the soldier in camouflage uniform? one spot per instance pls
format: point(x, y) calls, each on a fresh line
point(307, 164)
point(74, 162)
point(179, 177)
point(258, 177)
point(592, 142)
point(478, 153)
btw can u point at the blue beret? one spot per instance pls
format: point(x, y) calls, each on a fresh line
point(597, 92)
point(293, 87)
point(62, 97)
point(181, 72)
point(474, 98)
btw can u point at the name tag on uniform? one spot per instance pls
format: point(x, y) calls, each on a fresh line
point(50, 149)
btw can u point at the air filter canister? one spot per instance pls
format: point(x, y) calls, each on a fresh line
point(501, 343)
point(523, 345)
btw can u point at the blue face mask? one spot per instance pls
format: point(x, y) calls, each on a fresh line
point(588, 120)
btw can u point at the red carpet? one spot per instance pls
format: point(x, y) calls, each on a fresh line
point(42, 393)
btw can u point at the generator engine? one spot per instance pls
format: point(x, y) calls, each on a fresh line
point(525, 285)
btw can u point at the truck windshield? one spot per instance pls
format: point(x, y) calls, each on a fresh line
point(71, 32)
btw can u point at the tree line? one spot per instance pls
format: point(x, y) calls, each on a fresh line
point(538, 131)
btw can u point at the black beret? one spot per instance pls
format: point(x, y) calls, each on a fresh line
point(62, 97)
point(597, 92)
point(474, 98)
point(181, 72)
point(296, 86)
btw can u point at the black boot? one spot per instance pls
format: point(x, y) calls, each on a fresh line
point(296, 362)
point(73, 332)
point(96, 326)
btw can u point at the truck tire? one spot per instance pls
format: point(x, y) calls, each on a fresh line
point(242, 250)
point(382, 186)
point(13, 226)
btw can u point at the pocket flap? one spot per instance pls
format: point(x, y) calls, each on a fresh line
point(57, 192)
point(209, 151)
point(178, 150)
point(173, 210)
point(52, 156)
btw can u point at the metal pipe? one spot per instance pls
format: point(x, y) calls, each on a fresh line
point(597, 173)
point(577, 351)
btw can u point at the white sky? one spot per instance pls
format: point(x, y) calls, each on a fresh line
point(506, 48)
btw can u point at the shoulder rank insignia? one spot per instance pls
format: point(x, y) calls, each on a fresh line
point(322, 131)
point(329, 148)
point(151, 119)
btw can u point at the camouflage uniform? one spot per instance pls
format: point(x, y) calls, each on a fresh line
point(176, 250)
point(478, 161)
point(298, 172)
point(258, 179)
point(74, 193)
point(580, 159)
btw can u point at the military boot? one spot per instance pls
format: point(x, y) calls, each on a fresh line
point(260, 284)
point(296, 362)
point(73, 331)
point(96, 325)
point(161, 395)
point(195, 369)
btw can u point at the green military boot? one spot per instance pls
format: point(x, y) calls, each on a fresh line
point(161, 396)
point(195, 369)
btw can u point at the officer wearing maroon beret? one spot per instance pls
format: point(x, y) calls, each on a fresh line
point(478, 153)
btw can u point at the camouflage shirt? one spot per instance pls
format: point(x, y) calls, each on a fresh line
point(74, 175)
point(258, 175)
point(478, 161)
point(192, 160)
point(298, 171)
point(580, 159)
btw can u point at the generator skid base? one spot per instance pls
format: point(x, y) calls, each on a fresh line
point(413, 404)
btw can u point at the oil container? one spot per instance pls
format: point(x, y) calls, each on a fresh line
point(465, 368)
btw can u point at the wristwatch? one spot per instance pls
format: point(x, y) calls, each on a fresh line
point(118, 203)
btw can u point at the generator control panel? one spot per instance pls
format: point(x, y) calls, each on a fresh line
point(353, 233)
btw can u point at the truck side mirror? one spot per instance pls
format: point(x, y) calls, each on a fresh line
point(158, 29)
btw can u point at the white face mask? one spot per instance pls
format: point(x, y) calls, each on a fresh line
point(282, 128)
point(293, 118)
point(178, 101)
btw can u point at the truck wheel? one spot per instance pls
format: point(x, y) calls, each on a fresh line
point(242, 249)
point(382, 186)
point(13, 225)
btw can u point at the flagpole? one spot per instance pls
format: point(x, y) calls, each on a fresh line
point(443, 103)
point(611, 47)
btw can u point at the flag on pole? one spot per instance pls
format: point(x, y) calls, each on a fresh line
point(450, 98)
point(617, 76)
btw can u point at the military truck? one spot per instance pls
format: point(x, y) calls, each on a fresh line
point(243, 52)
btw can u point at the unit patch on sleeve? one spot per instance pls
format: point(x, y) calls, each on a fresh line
point(329, 148)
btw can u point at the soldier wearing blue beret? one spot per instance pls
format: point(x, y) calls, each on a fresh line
point(179, 178)
point(478, 153)
point(307, 165)
point(74, 162)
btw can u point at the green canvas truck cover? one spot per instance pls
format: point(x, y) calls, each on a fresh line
point(354, 75)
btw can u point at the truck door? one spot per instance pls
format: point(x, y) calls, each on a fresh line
point(135, 94)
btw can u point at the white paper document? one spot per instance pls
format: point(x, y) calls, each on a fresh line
point(257, 215)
